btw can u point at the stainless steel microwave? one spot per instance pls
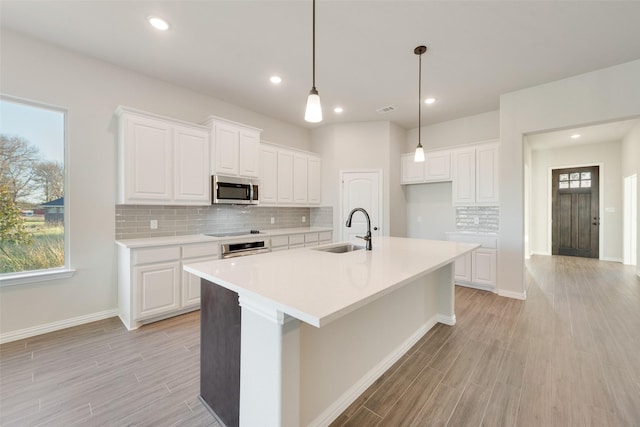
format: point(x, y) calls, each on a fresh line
point(233, 190)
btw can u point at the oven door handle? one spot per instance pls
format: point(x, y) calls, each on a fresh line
point(244, 253)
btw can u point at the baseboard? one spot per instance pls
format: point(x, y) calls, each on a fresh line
point(510, 294)
point(477, 286)
point(620, 260)
point(348, 397)
point(56, 326)
point(447, 320)
point(543, 253)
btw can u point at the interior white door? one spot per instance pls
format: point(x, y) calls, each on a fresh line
point(361, 190)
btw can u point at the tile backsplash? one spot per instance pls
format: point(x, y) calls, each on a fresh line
point(487, 218)
point(133, 221)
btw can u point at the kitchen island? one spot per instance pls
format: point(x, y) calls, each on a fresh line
point(292, 338)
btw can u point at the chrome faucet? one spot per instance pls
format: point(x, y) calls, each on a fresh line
point(366, 237)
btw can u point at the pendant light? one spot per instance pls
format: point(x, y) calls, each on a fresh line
point(419, 156)
point(313, 113)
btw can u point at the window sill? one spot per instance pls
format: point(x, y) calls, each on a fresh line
point(36, 276)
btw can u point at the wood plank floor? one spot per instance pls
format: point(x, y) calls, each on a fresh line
point(568, 356)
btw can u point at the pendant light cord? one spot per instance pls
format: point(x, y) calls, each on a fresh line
point(419, 101)
point(314, 44)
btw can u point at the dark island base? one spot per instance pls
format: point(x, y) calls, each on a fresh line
point(220, 352)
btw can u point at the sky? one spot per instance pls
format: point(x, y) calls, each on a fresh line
point(42, 127)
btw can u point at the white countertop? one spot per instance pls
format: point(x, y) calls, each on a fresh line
point(317, 287)
point(202, 238)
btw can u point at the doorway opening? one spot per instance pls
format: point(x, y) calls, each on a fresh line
point(630, 219)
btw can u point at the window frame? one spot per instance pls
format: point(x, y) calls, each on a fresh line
point(66, 271)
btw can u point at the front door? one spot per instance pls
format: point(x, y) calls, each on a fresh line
point(361, 190)
point(575, 212)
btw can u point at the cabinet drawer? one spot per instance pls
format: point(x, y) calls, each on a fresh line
point(200, 250)
point(311, 237)
point(325, 236)
point(296, 239)
point(166, 253)
point(279, 241)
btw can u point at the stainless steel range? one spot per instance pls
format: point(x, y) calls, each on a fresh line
point(245, 243)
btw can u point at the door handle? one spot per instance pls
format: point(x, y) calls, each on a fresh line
point(375, 228)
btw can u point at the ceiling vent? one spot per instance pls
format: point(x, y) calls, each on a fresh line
point(387, 109)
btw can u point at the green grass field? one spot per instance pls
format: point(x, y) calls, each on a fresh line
point(45, 251)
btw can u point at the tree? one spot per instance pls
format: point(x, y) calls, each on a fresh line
point(50, 179)
point(12, 229)
point(18, 158)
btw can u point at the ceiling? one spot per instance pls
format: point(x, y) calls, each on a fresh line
point(365, 61)
point(606, 132)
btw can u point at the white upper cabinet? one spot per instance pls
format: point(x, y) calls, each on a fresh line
point(487, 171)
point(235, 148)
point(464, 176)
point(191, 159)
point(161, 160)
point(289, 176)
point(314, 184)
point(268, 174)
point(226, 141)
point(435, 168)
point(285, 176)
point(249, 152)
point(300, 179)
point(412, 171)
point(475, 175)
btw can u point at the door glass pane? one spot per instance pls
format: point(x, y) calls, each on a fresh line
point(564, 177)
point(575, 176)
point(585, 175)
point(585, 183)
point(575, 184)
point(564, 185)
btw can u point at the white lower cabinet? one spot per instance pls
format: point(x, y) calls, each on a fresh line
point(477, 269)
point(152, 284)
point(463, 269)
point(483, 270)
point(158, 289)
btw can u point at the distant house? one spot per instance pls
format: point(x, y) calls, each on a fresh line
point(53, 210)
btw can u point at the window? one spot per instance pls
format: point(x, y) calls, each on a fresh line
point(33, 243)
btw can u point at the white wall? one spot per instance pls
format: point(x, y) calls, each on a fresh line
point(480, 127)
point(607, 154)
point(630, 166)
point(360, 146)
point(429, 211)
point(605, 95)
point(397, 199)
point(91, 90)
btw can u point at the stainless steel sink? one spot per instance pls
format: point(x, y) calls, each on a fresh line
point(340, 248)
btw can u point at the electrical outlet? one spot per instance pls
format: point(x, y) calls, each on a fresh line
point(153, 224)
point(476, 220)
point(273, 220)
point(304, 219)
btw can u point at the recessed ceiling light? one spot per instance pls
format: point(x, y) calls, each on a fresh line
point(575, 136)
point(158, 23)
point(275, 80)
point(429, 100)
point(338, 110)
